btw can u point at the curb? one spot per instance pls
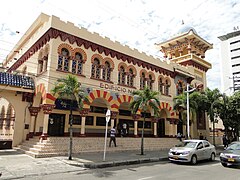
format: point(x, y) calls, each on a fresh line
point(120, 162)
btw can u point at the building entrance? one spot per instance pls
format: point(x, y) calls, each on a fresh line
point(161, 127)
point(56, 124)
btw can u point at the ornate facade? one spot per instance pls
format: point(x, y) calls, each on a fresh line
point(109, 72)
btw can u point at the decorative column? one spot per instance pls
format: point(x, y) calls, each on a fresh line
point(83, 114)
point(171, 129)
point(175, 127)
point(135, 118)
point(47, 109)
point(154, 120)
point(113, 117)
point(33, 112)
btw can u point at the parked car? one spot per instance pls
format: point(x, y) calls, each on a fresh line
point(231, 155)
point(192, 151)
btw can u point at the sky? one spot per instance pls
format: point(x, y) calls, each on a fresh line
point(136, 23)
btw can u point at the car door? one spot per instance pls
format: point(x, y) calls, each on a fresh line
point(207, 150)
point(200, 151)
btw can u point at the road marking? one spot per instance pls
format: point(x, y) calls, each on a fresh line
point(150, 177)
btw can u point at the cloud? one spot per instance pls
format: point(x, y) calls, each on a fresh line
point(139, 24)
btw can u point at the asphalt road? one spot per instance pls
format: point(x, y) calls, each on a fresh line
point(153, 171)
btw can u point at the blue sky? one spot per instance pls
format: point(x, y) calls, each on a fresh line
point(137, 23)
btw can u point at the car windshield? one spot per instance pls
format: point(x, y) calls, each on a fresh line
point(234, 146)
point(187, 144)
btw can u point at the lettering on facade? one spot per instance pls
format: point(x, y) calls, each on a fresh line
point(115, 88)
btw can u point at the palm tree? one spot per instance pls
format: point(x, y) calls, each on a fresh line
point(69, 88)
point(145, 100)
point(180, 104)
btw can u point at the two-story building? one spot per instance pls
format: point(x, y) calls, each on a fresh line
point(109, 72)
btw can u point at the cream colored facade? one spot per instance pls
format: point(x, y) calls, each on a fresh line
point(108, 72)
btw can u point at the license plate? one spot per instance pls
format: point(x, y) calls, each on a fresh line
point(230, 160)
point(175, 157)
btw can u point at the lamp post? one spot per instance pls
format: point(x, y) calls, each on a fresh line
point(188, 128)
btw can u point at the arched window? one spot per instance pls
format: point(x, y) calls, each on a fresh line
point(130, 78)
point(167, 85)
point(121, 75)
point(160, 85)
point(150, 82)
point(77, 64)
point(106, 73)
point(179, 88)
point(96, 69)
point(63, 60)
point(142, 81)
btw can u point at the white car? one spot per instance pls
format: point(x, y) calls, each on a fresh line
point(192, 151)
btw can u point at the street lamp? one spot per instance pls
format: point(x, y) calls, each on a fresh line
point(188, 128)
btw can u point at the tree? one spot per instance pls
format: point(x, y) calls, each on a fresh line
point(229, 112)
point(211, 106)
point(69, 88)
point(145, 100)
point(180, 104)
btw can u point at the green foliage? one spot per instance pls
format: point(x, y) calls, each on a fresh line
point(145, 100)
point(70, 88)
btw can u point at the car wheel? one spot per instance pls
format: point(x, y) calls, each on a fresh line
point(194, 160)
point(224, 164)
point(212, 158)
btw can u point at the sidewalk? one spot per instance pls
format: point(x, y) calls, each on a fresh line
point(95, 160)
point(15, 165)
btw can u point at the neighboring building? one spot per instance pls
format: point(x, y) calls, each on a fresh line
point(230, 61)
point(108, 72)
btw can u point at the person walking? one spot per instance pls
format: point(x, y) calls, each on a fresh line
point(112, 136)
point(225, 141)
point(179, 136)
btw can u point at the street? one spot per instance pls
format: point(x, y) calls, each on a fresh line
point(153, 171)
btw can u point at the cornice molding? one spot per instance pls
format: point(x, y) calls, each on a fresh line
point(55, 33)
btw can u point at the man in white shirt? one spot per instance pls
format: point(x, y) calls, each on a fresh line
point(112, 136)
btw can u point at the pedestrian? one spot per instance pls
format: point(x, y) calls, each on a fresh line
point(124, 129)
point(113, 136)
point(201, 136)
point(179, 136)
point(225, 141)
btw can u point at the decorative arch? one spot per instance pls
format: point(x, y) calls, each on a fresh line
point(152, 74)
point(133, 68)
point(99, 57)
point(170, 112)
point(67, 46)
point(167, 79)
point(121, 99)
point(143, 71)
point(100, 94)
point(47, 98)
point(122, 64)
point(110, 61)
point(82, 52)
point(160, 76)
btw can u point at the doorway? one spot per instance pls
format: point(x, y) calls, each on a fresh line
point(161, 127)
point(56, 124)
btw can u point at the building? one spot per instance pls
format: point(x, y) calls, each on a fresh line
point(109, 72)
point(230, 61)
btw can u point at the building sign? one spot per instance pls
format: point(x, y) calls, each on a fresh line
point(115, 88)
